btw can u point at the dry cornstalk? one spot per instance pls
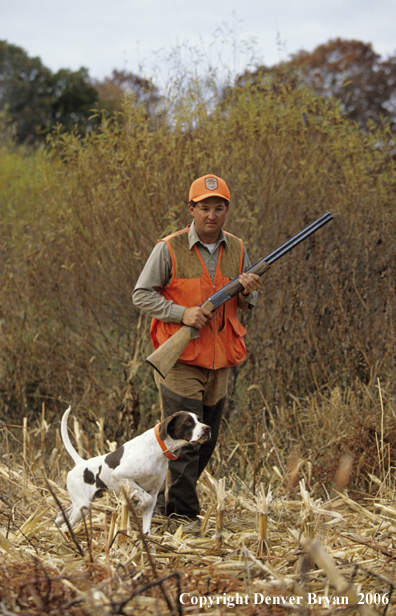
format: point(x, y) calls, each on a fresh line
point(220, 492)
point(124, 526)
point(293, 467)
point(382, 463)
point(343, 588)
point(43, 429)
point(263, 502)
point(106, 550)
point(99, 437)
point(113, 520)
point(206, 519)
point(24, 454)
point(77, 434)
point(8, 546)
point(308, 517)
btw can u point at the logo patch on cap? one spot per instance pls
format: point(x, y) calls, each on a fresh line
point(211, 183)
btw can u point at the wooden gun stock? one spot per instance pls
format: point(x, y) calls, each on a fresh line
point(164, 358)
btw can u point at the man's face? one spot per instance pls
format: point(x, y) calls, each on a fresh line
point(209, 215)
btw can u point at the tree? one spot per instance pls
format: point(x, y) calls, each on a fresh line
point(74, 98)
point(354, 74)
point(112, 91)
point(36, 99)
point(348, 71)
point(25, 90)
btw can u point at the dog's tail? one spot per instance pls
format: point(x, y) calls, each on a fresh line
point(66, 440)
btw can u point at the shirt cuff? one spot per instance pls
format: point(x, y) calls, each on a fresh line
point(176, 313)
point(251, 299)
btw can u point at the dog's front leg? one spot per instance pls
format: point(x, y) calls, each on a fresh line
point(147, 515)
point(144, 498)
point(146, 504)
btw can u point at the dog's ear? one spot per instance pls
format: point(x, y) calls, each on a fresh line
point(164, 426)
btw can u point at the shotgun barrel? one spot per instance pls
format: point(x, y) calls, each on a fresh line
point(234, 287)
point(298, 238)
point(165, 357)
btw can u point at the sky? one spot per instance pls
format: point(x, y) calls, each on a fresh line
point(153, 37)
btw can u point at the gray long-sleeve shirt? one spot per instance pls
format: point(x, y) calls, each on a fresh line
point(157, 273)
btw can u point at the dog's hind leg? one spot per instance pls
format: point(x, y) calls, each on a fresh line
point(73, 514)
point(61, 517)
point(79, 508)
point(78, 513)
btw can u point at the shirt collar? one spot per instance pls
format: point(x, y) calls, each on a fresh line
point(193, 237)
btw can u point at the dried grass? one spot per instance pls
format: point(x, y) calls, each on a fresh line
point(78, 226)
point(285, 541)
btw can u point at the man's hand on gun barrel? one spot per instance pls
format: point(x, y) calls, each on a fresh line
point(250, 283)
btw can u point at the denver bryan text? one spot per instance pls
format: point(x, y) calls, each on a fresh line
point(231, 600)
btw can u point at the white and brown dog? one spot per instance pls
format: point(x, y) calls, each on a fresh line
point(142, 461)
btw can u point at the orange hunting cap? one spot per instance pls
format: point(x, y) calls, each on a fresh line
point(208, 186)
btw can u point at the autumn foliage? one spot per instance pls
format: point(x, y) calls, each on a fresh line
point(349, 72)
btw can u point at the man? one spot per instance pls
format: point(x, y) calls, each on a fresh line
point(183, 270)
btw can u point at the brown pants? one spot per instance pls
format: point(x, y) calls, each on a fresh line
point(201, 391)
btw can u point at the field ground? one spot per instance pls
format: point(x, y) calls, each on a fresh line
point(283, 550)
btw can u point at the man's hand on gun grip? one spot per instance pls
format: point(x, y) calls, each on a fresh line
point(196, 317)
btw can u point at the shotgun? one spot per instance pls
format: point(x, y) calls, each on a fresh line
point(165, 357)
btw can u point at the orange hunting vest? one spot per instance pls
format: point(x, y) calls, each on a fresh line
point(220, 343)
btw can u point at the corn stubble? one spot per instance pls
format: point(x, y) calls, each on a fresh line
point(304, 541)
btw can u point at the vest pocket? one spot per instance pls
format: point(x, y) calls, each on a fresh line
point(236, 349)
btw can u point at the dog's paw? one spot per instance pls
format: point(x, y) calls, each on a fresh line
point(60, 520)
point(138, 504)
point(141, 501)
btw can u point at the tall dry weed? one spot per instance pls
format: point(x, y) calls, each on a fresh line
point(325, 317)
